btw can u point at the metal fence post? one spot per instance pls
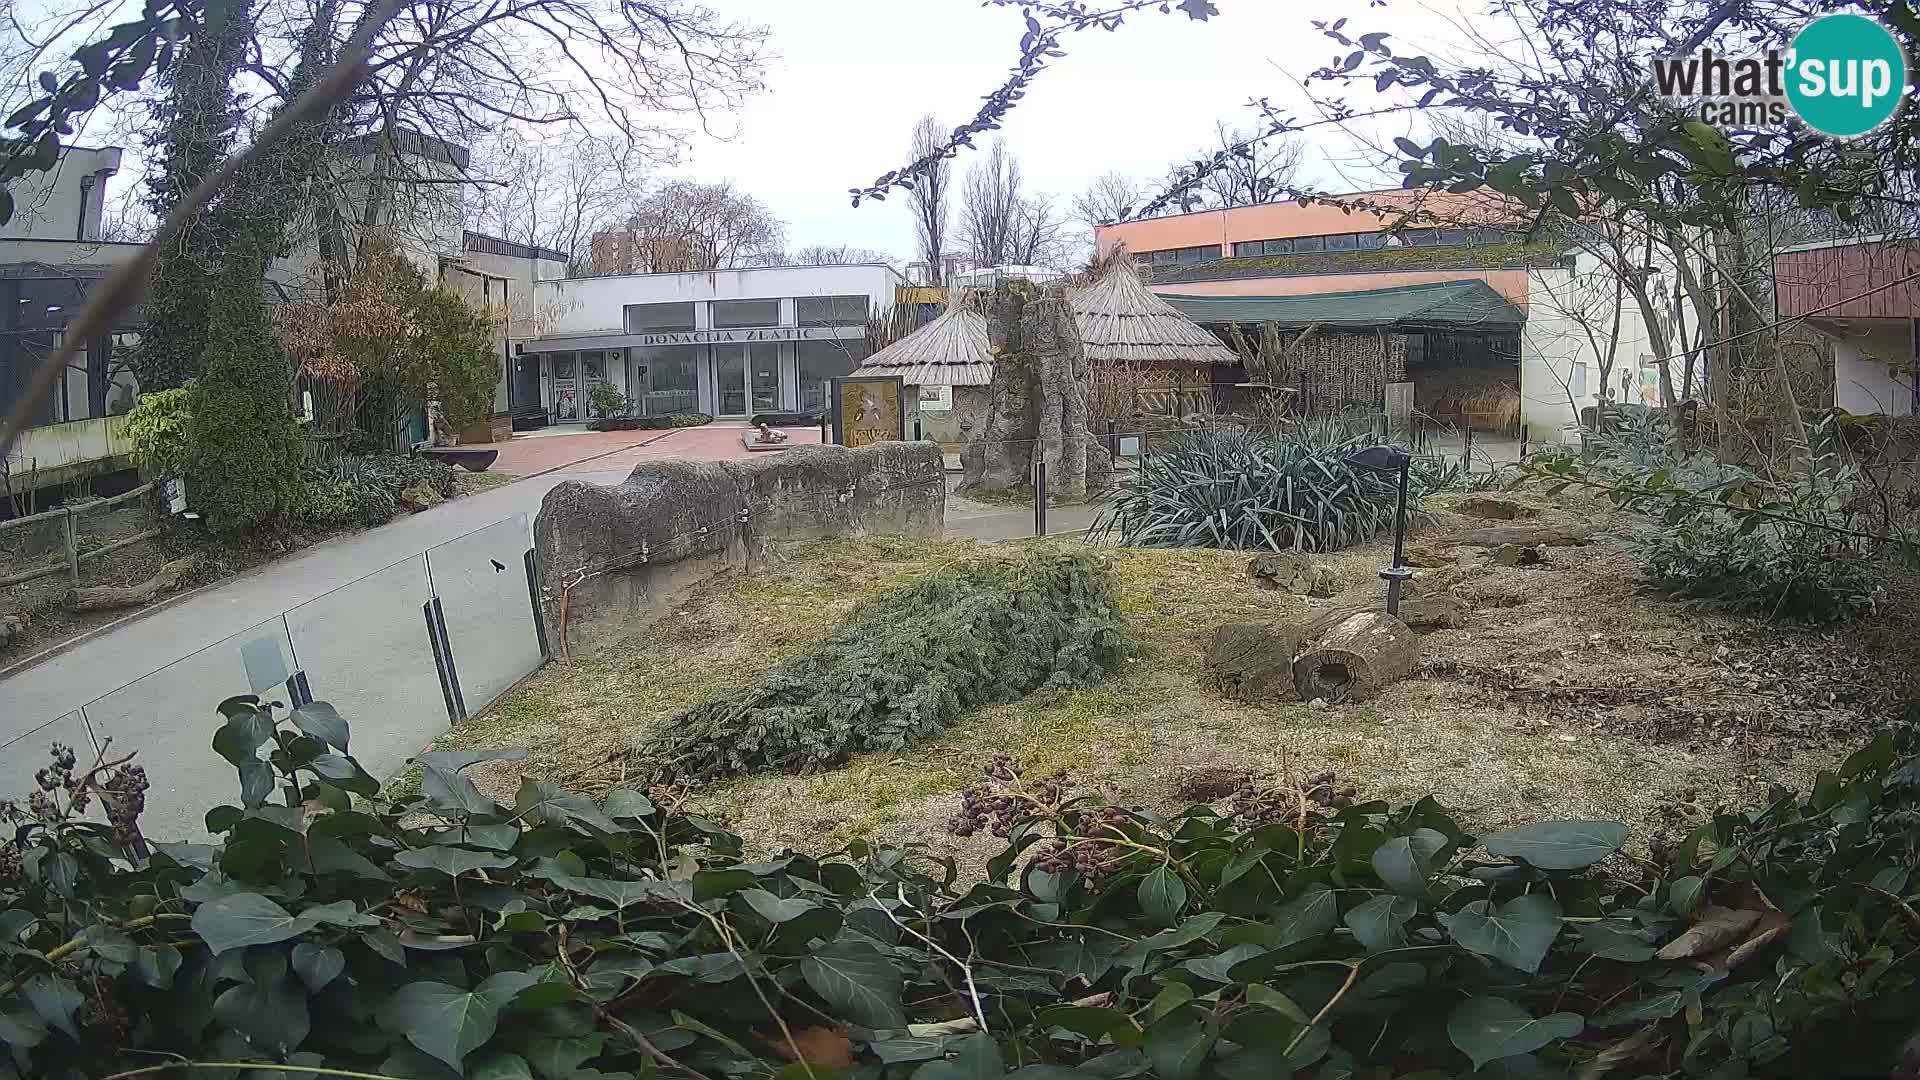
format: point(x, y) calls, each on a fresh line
point(443, 660)
point(1039, 494)
point(916, 428)
point(826, 432)
point(73, 548)
point(1523, 442)
point(1113, 438)
point(1466, 454)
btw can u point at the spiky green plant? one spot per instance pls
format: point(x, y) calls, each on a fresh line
point(1234, 489)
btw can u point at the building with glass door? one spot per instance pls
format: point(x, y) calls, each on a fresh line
point(730, 343)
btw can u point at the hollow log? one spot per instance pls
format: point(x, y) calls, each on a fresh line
point(1253, 661)
point(1355, 658)
point(109, 597)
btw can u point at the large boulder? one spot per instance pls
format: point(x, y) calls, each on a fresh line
point(1292, 572)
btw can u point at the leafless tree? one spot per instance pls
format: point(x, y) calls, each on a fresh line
point(928, 198)
point(554, 189)
point(1110, 198)
point(1260, 173)
point(685, 226)
point(990, 207)
point(836, 255)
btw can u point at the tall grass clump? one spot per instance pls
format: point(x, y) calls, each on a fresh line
point(1234, 489)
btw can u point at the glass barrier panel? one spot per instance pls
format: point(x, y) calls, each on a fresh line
point(481, 580)
point(169, 717)
point(365, 650)
point(27, 754)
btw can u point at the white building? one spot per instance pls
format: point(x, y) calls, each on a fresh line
point(730, 343)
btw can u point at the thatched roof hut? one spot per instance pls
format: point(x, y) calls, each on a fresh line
point(1123, 322)
point(952, 350)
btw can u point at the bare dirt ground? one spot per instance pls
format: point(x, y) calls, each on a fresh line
point(1569, 692)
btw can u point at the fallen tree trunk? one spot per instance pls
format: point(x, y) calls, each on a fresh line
point(1253, 661)
point(109, 597)
point(1355, 657)
point(1525, 536)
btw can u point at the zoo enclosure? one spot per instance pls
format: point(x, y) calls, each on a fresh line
point(64, 523)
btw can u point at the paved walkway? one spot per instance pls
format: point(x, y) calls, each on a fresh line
point(599, 451)
point(39, 702)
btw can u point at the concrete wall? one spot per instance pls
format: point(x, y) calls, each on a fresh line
point(1873, 368)
point(509, 296)
point(1559, 363)
point(57, 453)
point(615, 558)
point(65, 202)
point(597, 305)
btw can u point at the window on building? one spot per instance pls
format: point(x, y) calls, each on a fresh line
point(731, 314)
point(819, 362)
point(659, 318)
point(662, 379)
point(1309, 243)
point(1249, 247)
point(1368, 241)
point(1455, 237)
point(1419, 238)
point(1579, 381)
point(1342, 242)
point(831, 310)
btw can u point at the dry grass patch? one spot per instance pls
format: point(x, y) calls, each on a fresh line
point(1569, 693)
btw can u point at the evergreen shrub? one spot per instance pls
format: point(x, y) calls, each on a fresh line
point(901, 668)
point(243, 454)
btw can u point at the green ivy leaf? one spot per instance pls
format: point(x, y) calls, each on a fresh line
point(156, 965)
point(858, 981)
point(1489, 1028)
point(499, 1065)
point(1377, 924)
point(1616, 939)
point(1649, 1008)
point(1559, 845)
point(900, 1051)
point(242, 919)
point(1404, 862)
point(975, 1057)
point(54, 999)
point(449, 1023)
point(774, 909)
point(629, 805)
point(452, 861)
point(1178, 1045)
point(1162, 895)
point(1683, 896)
point(269, 1009)
point(452, 794)
point(1310, 915)
point(1518, 933)
point(318, 965)
point(556, 1059)
point(321, 721)
point(542, 803)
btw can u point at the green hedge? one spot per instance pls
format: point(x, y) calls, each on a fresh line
point(903, 667)
point(446, 934)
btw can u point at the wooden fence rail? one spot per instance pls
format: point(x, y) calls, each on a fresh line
point(66, 515)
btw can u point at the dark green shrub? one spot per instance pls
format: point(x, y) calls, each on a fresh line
point(157, 431)
point(903, 667)
point(1233, 489)
point(607, 400)
point(243, 456)
point(444, 935)
point(691, 419)
point(1772, 569)
point(364, 490)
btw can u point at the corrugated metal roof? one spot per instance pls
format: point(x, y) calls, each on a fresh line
point(1442, 303)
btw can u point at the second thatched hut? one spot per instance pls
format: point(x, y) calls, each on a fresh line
point(946, 368)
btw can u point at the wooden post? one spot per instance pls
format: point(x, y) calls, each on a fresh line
point(73, 549)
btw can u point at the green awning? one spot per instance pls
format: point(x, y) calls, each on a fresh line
point(1458, 305)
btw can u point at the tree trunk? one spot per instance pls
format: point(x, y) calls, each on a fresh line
point(1253, 661)
point(1000, 457)
point(1356, 658)
point(109, 597)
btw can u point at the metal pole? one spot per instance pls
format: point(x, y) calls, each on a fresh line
point(826, 433)
point(916, 428)
point(1466, 455)
point(1113, 427)
point(1398, 573)
point(1523, 442)
point(1039, 495)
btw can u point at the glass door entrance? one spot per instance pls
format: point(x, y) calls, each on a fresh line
point(746, 378)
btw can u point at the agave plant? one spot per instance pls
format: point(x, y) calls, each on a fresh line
point(1234, 489)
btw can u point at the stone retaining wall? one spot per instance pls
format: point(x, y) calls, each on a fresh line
point(614, 558)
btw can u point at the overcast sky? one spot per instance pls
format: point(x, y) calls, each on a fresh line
point(848, 79)
point(853, 76)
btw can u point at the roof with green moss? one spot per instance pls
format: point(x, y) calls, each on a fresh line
point(1451, 304)
point(1375, 261)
